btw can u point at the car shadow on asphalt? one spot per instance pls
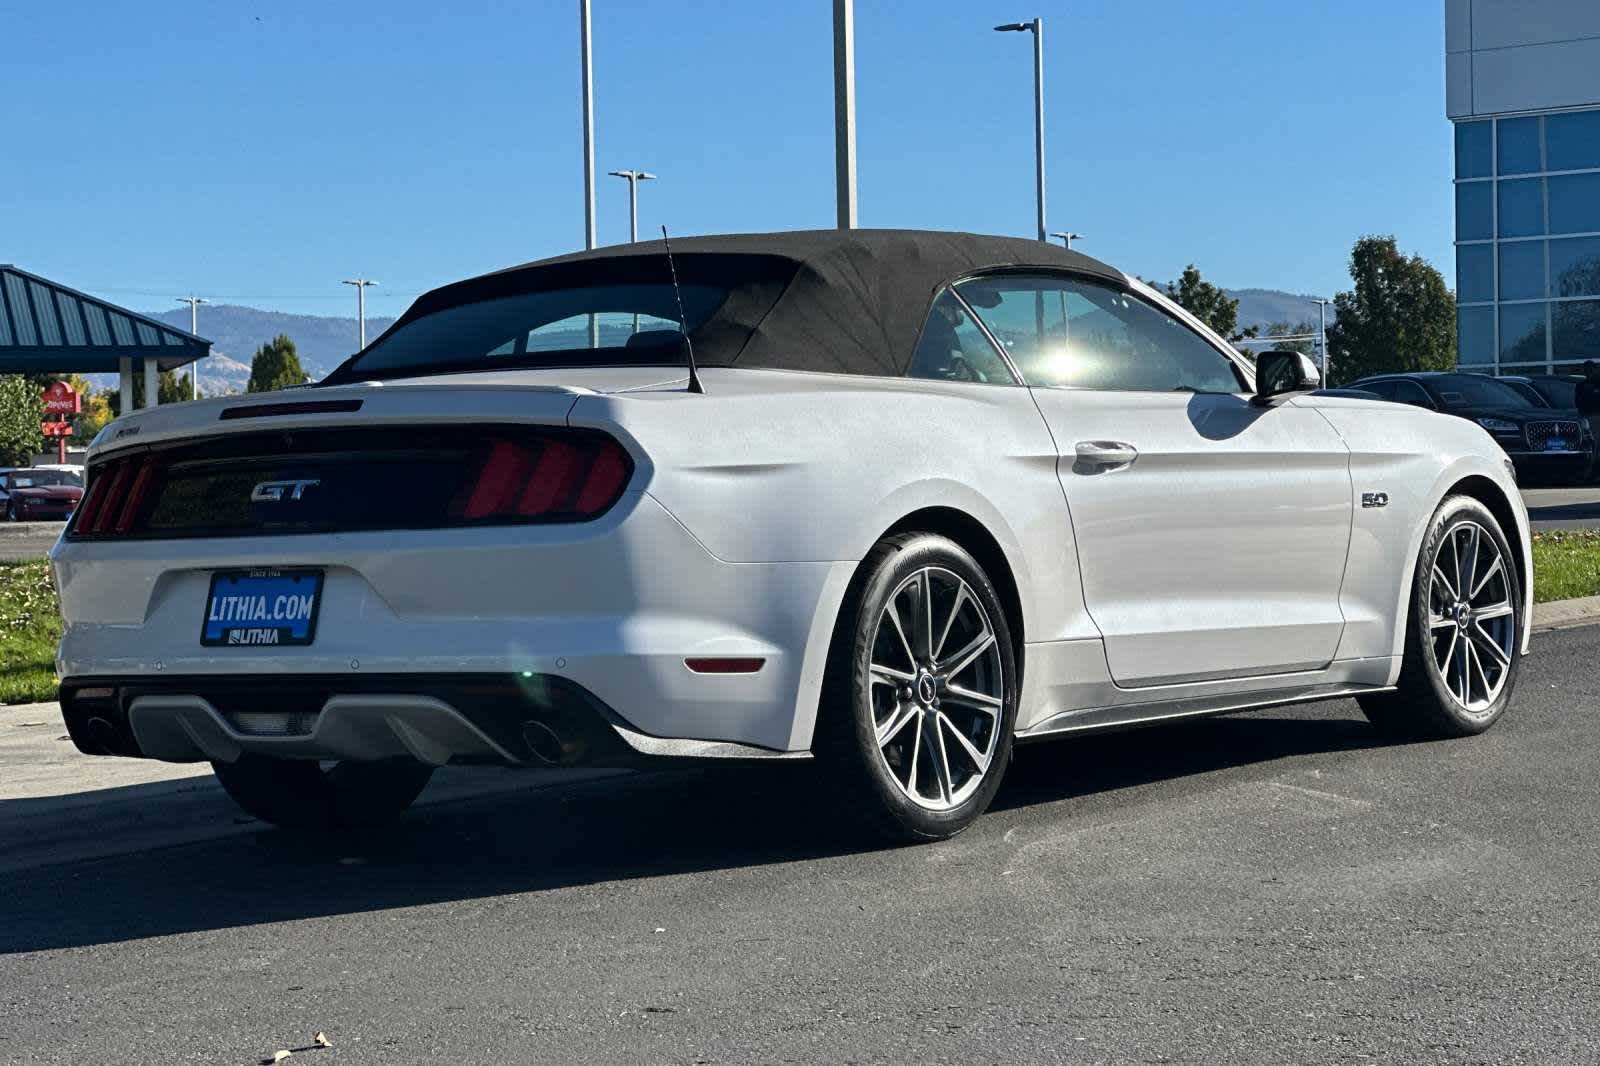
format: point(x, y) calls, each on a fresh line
point(644, 826)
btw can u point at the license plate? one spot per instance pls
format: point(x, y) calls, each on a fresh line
point(262, 608)
point(1555, 444)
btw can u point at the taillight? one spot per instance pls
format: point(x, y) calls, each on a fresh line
point(577, 478)
point(119, 495)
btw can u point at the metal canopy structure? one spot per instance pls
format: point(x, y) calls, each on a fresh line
point(45, 327)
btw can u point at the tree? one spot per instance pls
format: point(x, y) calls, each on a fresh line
point(1208, 303)
point(1293, 329)
point(97, 411)
point(1399, 316)
point(170, 388)
point(21, 411)
point(276, 366)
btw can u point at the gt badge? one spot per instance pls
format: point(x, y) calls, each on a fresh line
point(275, 491)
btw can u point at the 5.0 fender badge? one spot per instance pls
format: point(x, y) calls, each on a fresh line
point(1374, 499)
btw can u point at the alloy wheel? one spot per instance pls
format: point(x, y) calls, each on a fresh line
point(1471, 619)
point(937, 689)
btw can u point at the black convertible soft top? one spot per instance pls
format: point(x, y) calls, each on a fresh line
point(845, 301)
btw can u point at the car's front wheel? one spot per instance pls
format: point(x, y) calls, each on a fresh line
point(1462, 634)
point(915, 724)
point(303, 794)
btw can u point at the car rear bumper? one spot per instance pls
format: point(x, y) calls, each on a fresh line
point(613, 607)
point(438, 719)
point(44, 514)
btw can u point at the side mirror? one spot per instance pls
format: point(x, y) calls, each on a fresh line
point(1280, 374)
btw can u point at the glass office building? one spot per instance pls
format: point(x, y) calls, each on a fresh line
point(1528, 241)
point(1523, 88)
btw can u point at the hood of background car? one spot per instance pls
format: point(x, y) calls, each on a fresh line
point(1518, 415)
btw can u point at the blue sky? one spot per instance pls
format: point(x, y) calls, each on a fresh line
point(258, 151)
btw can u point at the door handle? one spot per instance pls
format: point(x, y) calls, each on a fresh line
point(1106, 453)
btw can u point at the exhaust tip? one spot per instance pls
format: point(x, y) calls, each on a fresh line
point(548, 746)
point(103, 736)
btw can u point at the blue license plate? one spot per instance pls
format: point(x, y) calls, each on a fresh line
point(262, 608)
point(1555, 444)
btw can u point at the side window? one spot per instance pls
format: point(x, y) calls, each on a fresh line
point(953, 348)
point(1081, 334)
point(1384, 389)
point(1412, 393)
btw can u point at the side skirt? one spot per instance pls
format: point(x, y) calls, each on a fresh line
point(1134, 715)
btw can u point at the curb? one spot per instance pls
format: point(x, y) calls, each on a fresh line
point(1565, 614)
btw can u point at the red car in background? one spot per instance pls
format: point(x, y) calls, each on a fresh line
point(35, 494)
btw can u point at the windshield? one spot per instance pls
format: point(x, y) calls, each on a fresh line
point(1558, 393)
point(1528, 392)
point(34, 479)
point(1471, 390)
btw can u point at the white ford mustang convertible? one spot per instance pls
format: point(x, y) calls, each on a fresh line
point(890, 501)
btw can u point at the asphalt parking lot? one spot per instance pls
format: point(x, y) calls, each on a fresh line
point(1566, 508)
point(1275, 887)
point(20, 541)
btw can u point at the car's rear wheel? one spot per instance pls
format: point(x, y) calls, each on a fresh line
point(1462, 634)
point(920, 698)
point(302, 794)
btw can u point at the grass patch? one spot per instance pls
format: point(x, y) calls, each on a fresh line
point(30, 628)
point(1566, 563)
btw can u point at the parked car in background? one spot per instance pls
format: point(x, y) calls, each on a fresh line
point(1349, 394)
point(40, 493)
point(1558, 390)
point(1528, 389)
point(1545, 443)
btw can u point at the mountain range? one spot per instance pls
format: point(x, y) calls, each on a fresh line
point(323, 342)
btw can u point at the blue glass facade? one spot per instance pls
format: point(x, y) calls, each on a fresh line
point(1528, 241)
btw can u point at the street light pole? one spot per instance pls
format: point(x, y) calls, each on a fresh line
point(844, 110)
point(1068, 237)
point(361, 306)
point(194, 303)
point(588, 126)
point(1036, 27)
point(1322, 336)
point(588, 149)
point(634, 177)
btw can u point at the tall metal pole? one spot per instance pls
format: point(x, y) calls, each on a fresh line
point(588, 150)
point(1322, 336)
point(1036, 27)
point(844, 110)
point(1038, 115)
point(361, 307)
point(588, 127)
point(633, 178)
point(194, 303)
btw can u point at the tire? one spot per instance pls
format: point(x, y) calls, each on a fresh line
point(300, 794)
point(892, 786)
point(1452, 681)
